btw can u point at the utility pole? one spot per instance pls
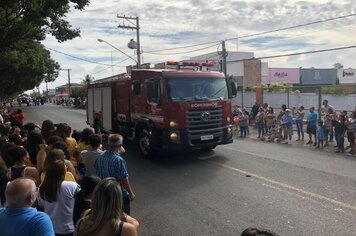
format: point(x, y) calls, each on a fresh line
point(134, 27)
point(224, 55)
point(68, 79)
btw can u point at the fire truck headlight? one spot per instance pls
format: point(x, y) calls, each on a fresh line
point(175, 137)
point(173, 124)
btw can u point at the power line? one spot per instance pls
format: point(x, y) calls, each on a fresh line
point(176, 53)
point(298, 53)
point(257, 34)
point(108, 67)
point(293, 27)
point(79, 58)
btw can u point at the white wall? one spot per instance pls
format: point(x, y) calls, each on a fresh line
point(303, 99)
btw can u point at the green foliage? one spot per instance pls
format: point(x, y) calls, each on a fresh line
point(79, 92)
point(24, 62)
point(35, 94)
point(33, 19)
point(337, 89)
point(26, 67)
point(280, 87)
point(87, 79)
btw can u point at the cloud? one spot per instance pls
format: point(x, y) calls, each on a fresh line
point(168, 24)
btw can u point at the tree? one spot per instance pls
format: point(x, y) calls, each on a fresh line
point(87, 79)
point(79, 92)
point(24, 62)
point(25, 68)
point(32, 19)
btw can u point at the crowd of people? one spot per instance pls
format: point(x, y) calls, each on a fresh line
point(58, 181)
point(320, 131)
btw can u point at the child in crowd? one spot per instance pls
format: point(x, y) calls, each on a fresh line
point(273, 134)
point(320, 134)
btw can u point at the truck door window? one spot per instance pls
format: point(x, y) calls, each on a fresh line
point(136, 87)
point(154, 91)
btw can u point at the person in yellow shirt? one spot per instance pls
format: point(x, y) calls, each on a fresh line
point(54, 155)
point(70, 167)
point(64, 131)
point(84, 139)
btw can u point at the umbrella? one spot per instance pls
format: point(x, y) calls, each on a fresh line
point(62, 95)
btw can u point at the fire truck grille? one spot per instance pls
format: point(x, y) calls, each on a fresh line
point(204, 126)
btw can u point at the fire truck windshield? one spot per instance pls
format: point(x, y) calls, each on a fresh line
point(196, 88)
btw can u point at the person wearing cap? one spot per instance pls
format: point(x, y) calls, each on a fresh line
point(19, 217)
point(111, 164)
point(286, 122)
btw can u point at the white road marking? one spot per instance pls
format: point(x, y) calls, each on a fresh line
point(283, 185)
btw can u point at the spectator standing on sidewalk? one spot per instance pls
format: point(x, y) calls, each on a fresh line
point(57, 196)
point(299, 120)
point(19, 218)
point(279, 117)
point(260, 122)
point(19, 169)
point(20, 117)
point(265, 110)
point(243, 123)
point(254, 111)
point(320, 134)
point(287, 123)
point(340, 129)
point(270, 117)
point(311, 125)
point(111, 164)
point(324, 109)
point(328, 117)
point(105, 216)
point(89, 156)
point(351, 130)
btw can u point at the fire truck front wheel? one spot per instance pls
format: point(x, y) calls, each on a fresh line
point(145, 144)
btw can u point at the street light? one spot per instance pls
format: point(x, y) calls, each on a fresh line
point(103, 41)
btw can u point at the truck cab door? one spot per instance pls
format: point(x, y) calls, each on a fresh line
point(154, 99)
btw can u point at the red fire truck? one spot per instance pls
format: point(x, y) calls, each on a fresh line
point(172, 109)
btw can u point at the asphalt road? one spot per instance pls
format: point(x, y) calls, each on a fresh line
point(287, 189)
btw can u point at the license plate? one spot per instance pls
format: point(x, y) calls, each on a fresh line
point(206, 137)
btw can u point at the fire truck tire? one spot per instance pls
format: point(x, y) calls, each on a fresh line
point(208, 148)
point(145, 144)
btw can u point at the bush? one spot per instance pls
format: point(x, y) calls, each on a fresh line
point(337, 89)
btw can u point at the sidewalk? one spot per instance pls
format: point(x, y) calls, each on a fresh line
point(253, 134)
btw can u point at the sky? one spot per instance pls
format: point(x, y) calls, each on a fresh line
point(169, 24)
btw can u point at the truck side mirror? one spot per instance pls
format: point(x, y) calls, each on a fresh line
point(233, 89)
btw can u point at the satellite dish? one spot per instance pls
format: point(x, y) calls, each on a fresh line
point(132, 44)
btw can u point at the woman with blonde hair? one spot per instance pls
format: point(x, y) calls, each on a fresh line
point(106, 218)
